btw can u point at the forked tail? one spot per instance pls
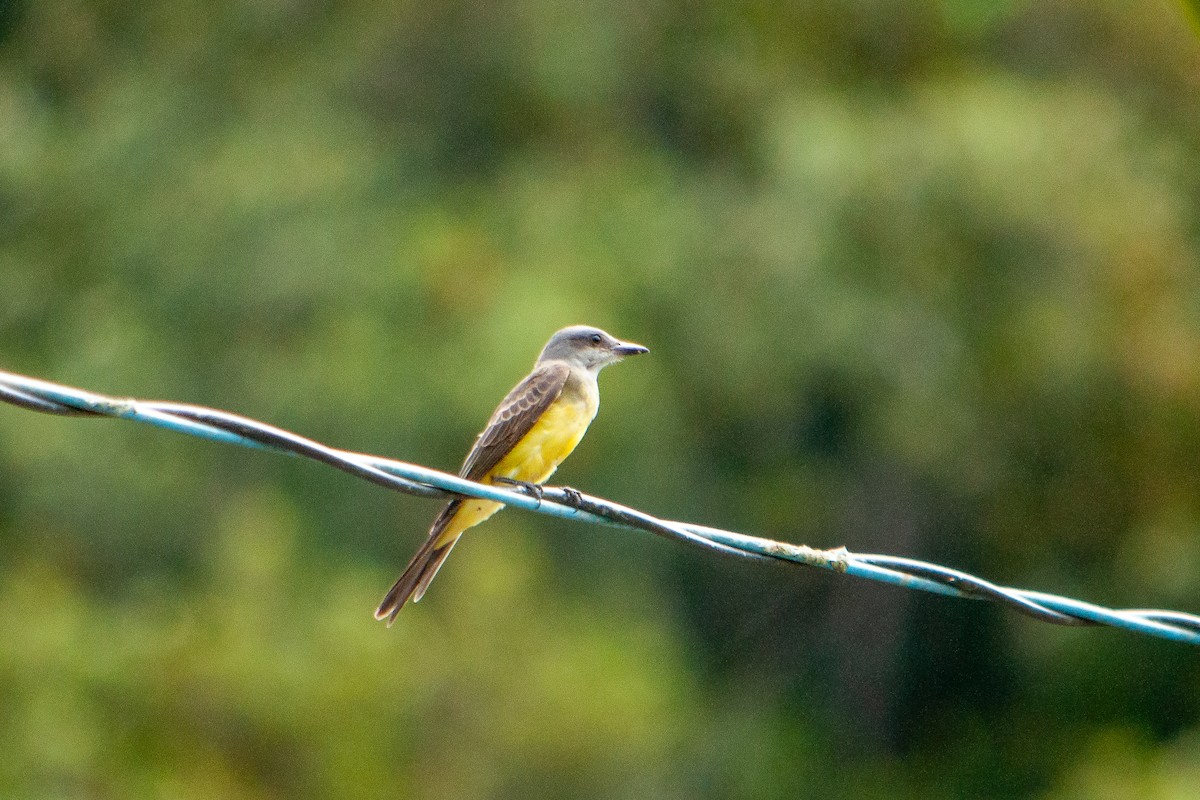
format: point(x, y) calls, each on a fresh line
point(421, 569)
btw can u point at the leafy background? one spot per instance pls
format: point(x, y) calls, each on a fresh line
point(918, 278)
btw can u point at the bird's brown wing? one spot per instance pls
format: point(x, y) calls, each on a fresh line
point(514, 417)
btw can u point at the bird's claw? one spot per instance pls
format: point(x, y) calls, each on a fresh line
point(572, 497)
point(531, 489)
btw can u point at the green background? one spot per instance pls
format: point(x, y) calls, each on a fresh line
point(917, 278)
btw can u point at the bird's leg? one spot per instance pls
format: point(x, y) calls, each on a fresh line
point(531, 489)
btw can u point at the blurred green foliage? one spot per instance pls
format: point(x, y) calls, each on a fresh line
point(917, 278)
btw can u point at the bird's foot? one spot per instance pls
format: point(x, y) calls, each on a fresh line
point(572, 497)
point(531, 489)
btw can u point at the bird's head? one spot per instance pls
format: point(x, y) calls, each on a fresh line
point(588, 348)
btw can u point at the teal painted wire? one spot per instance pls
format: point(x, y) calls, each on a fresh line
point(221, 426)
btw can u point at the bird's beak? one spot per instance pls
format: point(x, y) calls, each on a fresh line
point(629, 349)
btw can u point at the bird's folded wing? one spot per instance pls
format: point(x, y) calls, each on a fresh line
point(514, 418)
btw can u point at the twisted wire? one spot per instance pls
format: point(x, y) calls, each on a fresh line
point(222, 426)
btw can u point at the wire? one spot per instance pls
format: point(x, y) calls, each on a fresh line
point(221, 426)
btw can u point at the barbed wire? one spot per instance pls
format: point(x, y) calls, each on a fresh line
point(222, 426)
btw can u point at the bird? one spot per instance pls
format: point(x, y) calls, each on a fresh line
point(534, 428)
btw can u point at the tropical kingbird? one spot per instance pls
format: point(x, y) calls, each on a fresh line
point(535, 427)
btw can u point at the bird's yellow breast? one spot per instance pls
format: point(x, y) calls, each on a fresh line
point(549, 441)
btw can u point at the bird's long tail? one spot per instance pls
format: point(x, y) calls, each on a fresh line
point(422, 568)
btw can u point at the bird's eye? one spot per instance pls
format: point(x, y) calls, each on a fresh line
point(597, 338)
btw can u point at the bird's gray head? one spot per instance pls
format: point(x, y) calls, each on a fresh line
point(588, 348)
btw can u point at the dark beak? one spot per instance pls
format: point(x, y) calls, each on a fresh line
point(629, 349)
